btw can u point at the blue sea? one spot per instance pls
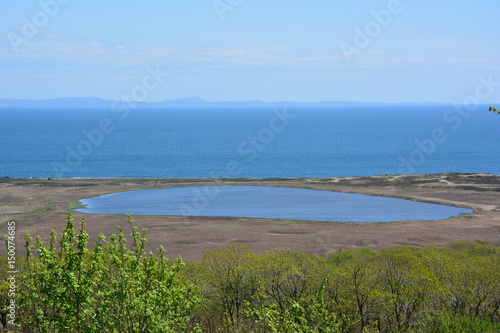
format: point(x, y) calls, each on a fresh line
point(248, 142)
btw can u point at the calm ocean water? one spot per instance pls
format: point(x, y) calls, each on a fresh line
point(248, 142)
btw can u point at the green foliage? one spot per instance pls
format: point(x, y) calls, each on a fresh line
point(109, 288)
point(459, 324)
point(116, 286)
point(287, 277)
point(401, 289)
point(228, 281)
point(4, 292)
point(314, 317)
point(494, 109)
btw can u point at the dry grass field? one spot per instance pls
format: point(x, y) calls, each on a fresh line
point(39, 205)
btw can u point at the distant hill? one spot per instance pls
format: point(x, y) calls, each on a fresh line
point(178, 102)
point(57, 102)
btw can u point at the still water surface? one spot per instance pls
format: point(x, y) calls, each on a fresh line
point(267, 202)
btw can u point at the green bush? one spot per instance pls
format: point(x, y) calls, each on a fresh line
point(69, 287)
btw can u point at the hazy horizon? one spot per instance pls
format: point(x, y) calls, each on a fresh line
point(219, 101)
point(376, 51)
point(193, 101)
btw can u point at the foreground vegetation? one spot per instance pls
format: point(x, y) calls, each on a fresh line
point(116, 286)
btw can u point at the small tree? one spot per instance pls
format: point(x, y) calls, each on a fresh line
point(314, 316)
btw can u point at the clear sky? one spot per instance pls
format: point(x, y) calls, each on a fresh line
point(271, 50)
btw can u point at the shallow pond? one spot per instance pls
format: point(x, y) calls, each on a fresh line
point(267, 202)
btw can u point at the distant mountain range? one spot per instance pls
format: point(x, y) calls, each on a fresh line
point(178, 102)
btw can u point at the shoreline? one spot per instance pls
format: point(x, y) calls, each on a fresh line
point(39, 205)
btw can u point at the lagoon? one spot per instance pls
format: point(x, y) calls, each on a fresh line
point(267, 202)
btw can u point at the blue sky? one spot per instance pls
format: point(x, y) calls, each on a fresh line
point(425, 50)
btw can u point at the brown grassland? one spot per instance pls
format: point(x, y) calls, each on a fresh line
point(39, 205)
